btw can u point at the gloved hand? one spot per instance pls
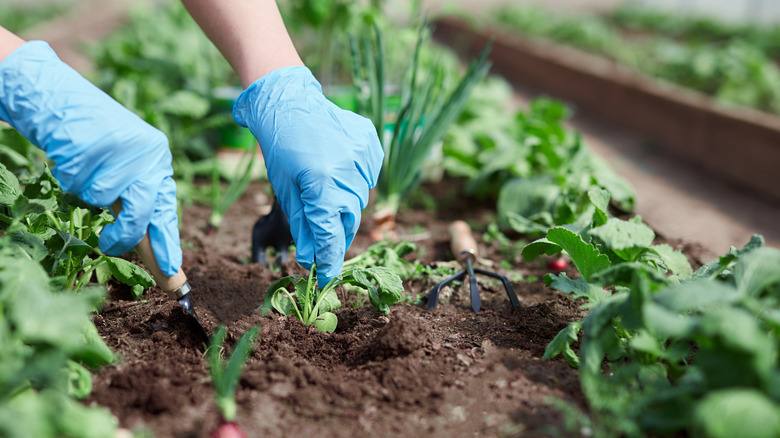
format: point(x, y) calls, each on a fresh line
point(321, 162)
point(101, 150)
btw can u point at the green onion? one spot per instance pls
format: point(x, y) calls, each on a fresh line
point(426, 111)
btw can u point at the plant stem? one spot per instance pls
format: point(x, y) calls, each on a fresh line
point(295, 305)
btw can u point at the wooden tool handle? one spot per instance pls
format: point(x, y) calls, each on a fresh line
point(169, 285)
point(462, 242)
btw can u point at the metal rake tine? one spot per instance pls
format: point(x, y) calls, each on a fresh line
point(433, 295)
point(510, 291)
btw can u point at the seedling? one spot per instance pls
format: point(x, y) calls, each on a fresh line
point(315, 306)
point(225, 374)
point(427, 110)
point(221, 202)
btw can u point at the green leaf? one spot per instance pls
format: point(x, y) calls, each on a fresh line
point(674, 260)
point(624, 237)
point(81, 421)
point(328, 302)
point(666, 323)
point(102, 272)
point(136, 290)
point(225, 374)
point(736, 412)
point(70, 243)
point(619, 188)
point(326, 322)
point(757, 271)
point(527, 197)
point(383, 285)
point(185, 103)
point(734, 349)
point(561, 344)
point(624, 274)
point(129, 273)
point(538, 247)
point(79, 380)
point(32, 244)
point(10, 189)
point(524, 225)
point(716, 266)
point(579, 288)
point(585, 256)
point(94, 352)
point(600, 199)
point(696, 295)
point(276, 299)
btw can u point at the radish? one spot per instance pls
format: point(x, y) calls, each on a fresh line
point(225, 374)
point(558, 264)
point(227, 430)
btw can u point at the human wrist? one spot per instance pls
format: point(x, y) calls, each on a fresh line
point(9, 43)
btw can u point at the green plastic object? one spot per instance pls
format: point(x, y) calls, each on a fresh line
point(231, 136)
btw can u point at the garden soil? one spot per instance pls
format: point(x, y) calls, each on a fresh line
point(442, 373)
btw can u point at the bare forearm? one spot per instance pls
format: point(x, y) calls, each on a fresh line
point(249, 33)
point(8, 43)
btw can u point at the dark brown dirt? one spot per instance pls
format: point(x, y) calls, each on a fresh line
point(449, 372)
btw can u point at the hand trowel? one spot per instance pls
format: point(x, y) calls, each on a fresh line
point(175, 287)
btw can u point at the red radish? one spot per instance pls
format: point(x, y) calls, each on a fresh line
point(558, 264)
point(227, 430)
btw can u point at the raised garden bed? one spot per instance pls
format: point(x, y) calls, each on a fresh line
point(738, 144)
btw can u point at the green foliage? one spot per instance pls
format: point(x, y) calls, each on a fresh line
point(60, 232)
point(428, 108)
point(18, 17)
point(390, 255)
point(46, 341)
point(314, 306)
point(225, 373)
point(561, 344)
point(540, 170)
point(674, 343)
point(693, 28)
point(737, 412)
point(732, 63)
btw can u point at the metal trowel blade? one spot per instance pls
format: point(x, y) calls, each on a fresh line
point(186, 304)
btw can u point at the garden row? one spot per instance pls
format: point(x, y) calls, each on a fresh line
point(689, 125)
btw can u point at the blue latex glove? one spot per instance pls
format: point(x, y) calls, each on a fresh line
point(101, 150)
point(321, 162)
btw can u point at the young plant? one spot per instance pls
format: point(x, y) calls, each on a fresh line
point(315, 306)
point(225, 374)
point(428, 108)
point(390, 255)
point(61, 233)
point(221, 202)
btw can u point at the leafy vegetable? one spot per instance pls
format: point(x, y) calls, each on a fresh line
point(663, 348)
point(46, 341)
point(315, 306)
point(389, 255)
point(61, 232)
